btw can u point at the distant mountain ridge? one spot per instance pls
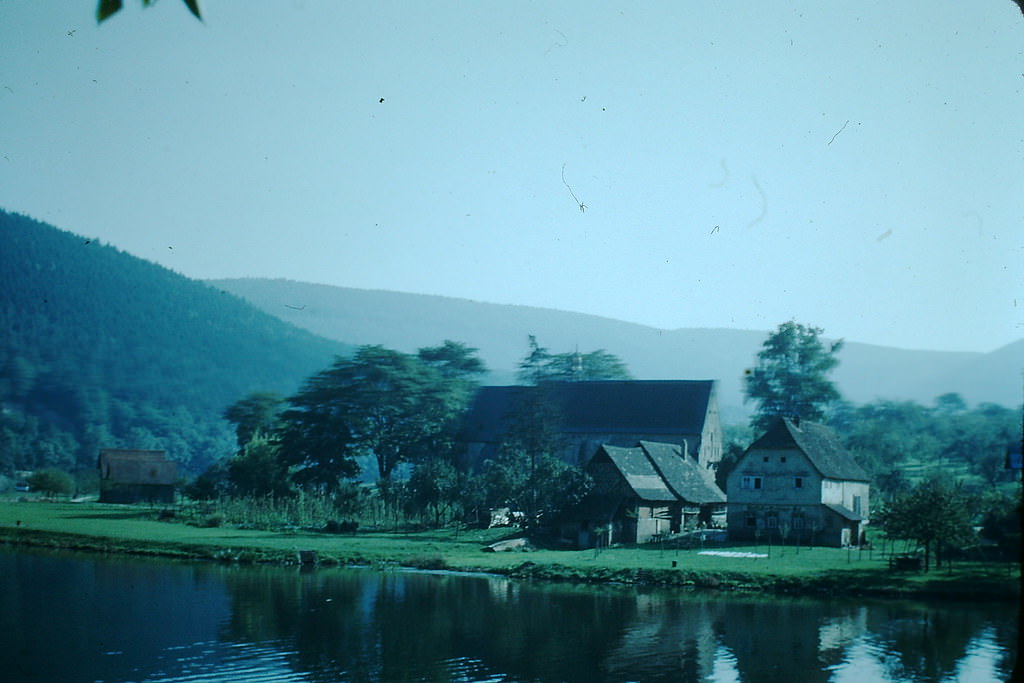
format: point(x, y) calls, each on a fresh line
point(408, 321)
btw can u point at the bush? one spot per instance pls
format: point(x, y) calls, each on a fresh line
point(333, 526)
point(52, 482)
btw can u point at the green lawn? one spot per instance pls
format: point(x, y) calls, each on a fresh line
point(137, 529)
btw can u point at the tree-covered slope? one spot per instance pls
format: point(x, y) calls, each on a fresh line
point(99, 348)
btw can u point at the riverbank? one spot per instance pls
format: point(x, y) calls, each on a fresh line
point(789, 570)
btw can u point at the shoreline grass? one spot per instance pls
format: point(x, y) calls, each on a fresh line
point(788, 570)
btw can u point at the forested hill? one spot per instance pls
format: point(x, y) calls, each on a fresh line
point(99, 348)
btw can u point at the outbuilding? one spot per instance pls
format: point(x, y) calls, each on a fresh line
point(136, 476)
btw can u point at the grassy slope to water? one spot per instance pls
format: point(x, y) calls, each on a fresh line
point(130, 529)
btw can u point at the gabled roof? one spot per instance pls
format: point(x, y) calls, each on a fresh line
point(612, 406)
point(639, 473)
point(660, 472)
point(685, 477)
point(818, 443)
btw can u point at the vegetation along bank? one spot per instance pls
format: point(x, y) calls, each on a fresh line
point(711, 565)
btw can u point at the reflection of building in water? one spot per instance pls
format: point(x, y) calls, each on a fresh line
point(678, 634)
point(503, 590)
point(839, 632)
point(778, 640)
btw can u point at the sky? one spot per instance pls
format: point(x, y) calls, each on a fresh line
point(855, 166)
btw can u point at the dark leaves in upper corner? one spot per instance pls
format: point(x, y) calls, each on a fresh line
point(108, 8)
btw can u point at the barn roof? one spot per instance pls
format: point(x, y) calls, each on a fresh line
point(685, 477)
point(123, 466)
point(611, 406)
point(660, 472)
point(639, 473)
point(818, 443)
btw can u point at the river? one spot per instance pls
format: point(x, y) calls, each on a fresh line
point(75, 617)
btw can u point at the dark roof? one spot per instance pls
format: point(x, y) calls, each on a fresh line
point(123, 466)
point(660, 472)
point(639, 473)
point(612, 406)
point(844, 512)
point(818, 443)
point(685, 477)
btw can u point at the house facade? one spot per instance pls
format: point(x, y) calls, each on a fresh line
point(641, 493)
point(136, 476)
point(798, 483)
point(618, 413)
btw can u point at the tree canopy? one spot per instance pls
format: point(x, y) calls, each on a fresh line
point(391, 406)
point(540, 365)
point(936, 513)
point(791, 375)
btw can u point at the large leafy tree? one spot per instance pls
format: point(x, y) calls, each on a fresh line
point(791, 375)
point(457, 370)
point(936, 513)
point(380, 402)
point(255, 414)
point(257, 470)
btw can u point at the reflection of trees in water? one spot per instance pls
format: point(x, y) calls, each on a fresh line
point(398, 625)
point(927, 642)
point(364, 625)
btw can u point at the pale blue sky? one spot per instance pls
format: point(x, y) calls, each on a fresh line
point(857, 166)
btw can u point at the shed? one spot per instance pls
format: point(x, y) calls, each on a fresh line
point(135, 476)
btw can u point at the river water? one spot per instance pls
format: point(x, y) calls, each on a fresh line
point(72, 617)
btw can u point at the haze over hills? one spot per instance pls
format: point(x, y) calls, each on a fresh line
point(409, 321)
point(99, 348)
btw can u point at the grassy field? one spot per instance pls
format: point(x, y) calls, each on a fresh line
point(136, 529)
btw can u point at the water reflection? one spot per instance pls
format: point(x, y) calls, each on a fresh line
point(120, 620)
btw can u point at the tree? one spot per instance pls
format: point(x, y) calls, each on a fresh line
point(457, 369)
point(791, 375)
point(434, 488)
point(108, 8)
point(380, 403)
point(256, 413)
point(936, 513)
point(52, 482)
point(533, 366)
point(534, 483)
point(540, 365)
point(257, 470)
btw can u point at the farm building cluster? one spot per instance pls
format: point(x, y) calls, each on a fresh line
point(651, 449)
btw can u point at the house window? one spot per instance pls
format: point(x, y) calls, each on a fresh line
point(798, 482)
point(783, 459)
point(773, 522)
point(751, 482)
point(798, 521)
point(766, 458)
point(750, 520)
point(856, 505)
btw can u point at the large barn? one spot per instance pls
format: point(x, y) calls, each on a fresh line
point(613, 412)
